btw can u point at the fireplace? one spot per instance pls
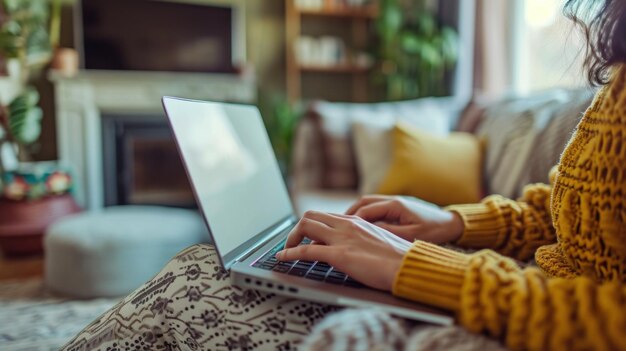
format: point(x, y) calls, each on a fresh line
point(141, 163)
point(128, 104)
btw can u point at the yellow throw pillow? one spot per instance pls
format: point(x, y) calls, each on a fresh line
point(442, 170)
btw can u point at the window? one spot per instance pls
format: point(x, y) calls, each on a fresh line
point(548, 48)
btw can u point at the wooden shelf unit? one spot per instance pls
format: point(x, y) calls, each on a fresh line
point(359, 19)
point(346, 68)
point(369, 12)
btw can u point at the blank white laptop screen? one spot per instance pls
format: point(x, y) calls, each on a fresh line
point(232, 166)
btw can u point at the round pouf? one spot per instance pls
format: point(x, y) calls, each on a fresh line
point(113, 251)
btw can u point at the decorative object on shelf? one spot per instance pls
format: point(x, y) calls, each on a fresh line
point(321, 4)
point(32, 195)
point(309, 4)
point(326, 51)
point(416, 52)
point(65, 62)
point(329, 53)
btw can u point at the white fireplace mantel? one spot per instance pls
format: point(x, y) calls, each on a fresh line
point(82, 99)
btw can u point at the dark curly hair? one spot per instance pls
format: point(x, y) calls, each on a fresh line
point(604, 25)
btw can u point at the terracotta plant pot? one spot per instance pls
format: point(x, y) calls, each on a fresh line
point(23, 223)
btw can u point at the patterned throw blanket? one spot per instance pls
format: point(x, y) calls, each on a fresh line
point(33, 320)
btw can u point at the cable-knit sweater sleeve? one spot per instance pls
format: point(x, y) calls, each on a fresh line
point(512, 228)
point(492, 295)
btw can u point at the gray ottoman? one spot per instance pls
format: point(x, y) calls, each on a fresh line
point(114, 251)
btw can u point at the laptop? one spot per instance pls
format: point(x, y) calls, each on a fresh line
point(244, 201)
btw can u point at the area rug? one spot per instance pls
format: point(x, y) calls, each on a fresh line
point(33, 319)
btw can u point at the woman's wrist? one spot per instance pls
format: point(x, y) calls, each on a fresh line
point(456, 226)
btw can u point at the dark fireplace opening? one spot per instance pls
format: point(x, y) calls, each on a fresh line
point(141, 163)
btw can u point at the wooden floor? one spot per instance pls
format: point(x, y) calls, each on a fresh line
point(21, 267)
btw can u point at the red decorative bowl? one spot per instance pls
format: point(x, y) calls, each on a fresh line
point(23, 223)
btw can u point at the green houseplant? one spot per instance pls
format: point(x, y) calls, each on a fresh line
point(32, 195)
point(281, 118)
point(416, 53)
point(28, 34)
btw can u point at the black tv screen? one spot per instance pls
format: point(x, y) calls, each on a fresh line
point(150, 35)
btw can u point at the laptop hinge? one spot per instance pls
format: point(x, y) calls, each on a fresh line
point(265, 238)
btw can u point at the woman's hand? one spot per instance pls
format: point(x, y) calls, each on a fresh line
point(367, 253)
point(409, 219)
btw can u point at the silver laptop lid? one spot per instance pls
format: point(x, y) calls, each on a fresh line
point(232, 169)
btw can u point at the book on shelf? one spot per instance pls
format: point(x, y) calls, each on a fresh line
point(319, 5)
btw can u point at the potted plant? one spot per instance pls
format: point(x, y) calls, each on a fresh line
point(416, 53)
point(281, 118)
point(32, 194)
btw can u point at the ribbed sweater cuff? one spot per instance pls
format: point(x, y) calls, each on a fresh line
point(483, 225)
point(432, 275)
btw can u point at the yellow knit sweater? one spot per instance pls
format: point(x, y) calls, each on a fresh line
point(577, 232)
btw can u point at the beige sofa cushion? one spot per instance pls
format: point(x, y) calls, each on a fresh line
point(526, 136)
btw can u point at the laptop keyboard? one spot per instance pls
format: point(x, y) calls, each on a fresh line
point(317, 270)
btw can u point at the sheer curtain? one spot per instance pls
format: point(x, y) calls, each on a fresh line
point(524, 46)
point(494, 60)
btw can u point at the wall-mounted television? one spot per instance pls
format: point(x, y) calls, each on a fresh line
point(157, 35)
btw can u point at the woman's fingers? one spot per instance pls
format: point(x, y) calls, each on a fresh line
point(308, 253)
point(316, 226)
point(378, 211)
point(345, 218)
point(329, 219)
point(308, 228)
point(364, 201)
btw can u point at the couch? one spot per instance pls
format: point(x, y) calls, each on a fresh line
point(523, 138)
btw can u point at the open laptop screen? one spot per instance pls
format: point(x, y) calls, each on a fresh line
point(231, 166)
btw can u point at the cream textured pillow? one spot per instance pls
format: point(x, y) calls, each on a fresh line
point(372, 145)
